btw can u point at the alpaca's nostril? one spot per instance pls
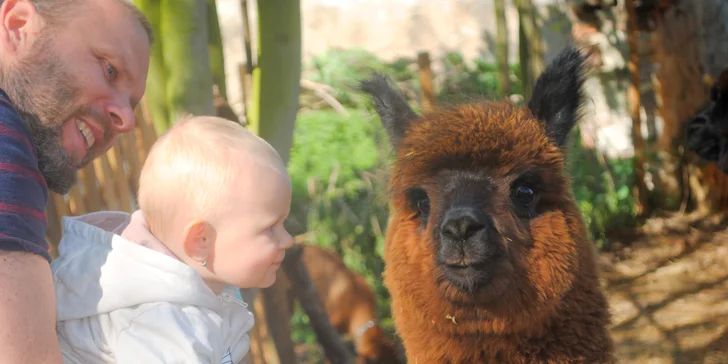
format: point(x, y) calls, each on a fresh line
point(462, 223)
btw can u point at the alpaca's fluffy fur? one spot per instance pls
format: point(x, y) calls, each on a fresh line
point(519, 284)
point(707, 131)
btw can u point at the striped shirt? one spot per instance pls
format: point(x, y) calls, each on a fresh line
point(23, 189)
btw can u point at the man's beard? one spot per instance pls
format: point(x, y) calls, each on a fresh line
point(45, 95)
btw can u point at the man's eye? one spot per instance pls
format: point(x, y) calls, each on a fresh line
point(111, 72)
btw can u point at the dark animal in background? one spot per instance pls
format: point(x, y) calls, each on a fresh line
point(707, 131)
point(487, 256)
point(350, 304)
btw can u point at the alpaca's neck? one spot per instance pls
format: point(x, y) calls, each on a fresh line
point(576, 328)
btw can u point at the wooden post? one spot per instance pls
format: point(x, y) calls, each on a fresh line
point(501, 46)
point(244, 86)
point(327, 336)
point(262, 348)
point(634, 97)
point(278, 321)
point(247, 43)
point(92, 195)
point(245, 69)
point(427, 91)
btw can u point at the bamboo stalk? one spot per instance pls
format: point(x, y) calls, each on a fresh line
point(427, 90)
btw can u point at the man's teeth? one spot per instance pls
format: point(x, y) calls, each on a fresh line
point(86, 132)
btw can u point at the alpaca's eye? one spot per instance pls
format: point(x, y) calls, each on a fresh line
point(524, 195)
point(423, 206)
point(419, 201)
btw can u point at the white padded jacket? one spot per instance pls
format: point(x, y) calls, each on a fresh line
point(121, 302)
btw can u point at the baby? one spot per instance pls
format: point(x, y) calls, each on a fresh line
point(161, 285)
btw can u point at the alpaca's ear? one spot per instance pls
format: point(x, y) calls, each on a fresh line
point(557, 94)
point(391, 106)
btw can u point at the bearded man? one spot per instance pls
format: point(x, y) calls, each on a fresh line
point(71, 74)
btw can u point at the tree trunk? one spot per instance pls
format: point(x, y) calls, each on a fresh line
point(501, 50)
point(262, 348)
point(275, 302)
point(217, 57)
point(189, 79)
point(530, 39)
point(713, 19)
point(246, 68)
point(247, 42)
point(524, 56)
point(427, 90)
point(272, 115)
point(308, 297)
point(682, 92)
point(633, 94)
point(155, 91)
point(276, 78)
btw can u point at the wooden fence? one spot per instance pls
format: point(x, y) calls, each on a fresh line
point(110, 182)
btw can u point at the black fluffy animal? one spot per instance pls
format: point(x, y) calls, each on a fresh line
point(707, 131)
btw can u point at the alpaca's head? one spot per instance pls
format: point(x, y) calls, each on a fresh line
point(707, 131)
point(479, 190)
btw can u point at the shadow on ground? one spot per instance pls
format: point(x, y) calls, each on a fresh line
point(668, 292)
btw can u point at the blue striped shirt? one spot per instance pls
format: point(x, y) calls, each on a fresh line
point(23, 189)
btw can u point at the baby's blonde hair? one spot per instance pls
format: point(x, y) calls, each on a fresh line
point(192, 166)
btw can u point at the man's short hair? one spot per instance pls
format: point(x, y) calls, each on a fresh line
point(55, 12)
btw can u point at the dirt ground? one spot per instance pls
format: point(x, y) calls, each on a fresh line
point(668, 291)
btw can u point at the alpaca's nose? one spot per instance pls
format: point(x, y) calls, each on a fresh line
point(462, 223)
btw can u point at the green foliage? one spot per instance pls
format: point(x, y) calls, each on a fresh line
point(602, 190)
point(463, 82)
point(339, 199)
point(342, 69)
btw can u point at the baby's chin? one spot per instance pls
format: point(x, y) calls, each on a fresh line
point(264, 282)
point(270, 279)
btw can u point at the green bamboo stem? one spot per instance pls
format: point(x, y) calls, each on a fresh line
point(189, 78)
point(217, 56)
point(156, 89)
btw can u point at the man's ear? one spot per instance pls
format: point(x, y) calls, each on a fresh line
point(199, 240)
point(21, 25)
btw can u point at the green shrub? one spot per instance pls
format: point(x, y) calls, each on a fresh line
point(462, 82)
point(343, 69)
point(337, 167)
point(602, 190)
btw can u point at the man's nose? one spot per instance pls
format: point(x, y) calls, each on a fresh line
point(121, 117)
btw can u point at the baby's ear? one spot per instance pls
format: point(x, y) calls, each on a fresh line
point(198, 240)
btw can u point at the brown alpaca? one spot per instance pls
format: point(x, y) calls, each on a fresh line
point(487, 257)
point(350, 304)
